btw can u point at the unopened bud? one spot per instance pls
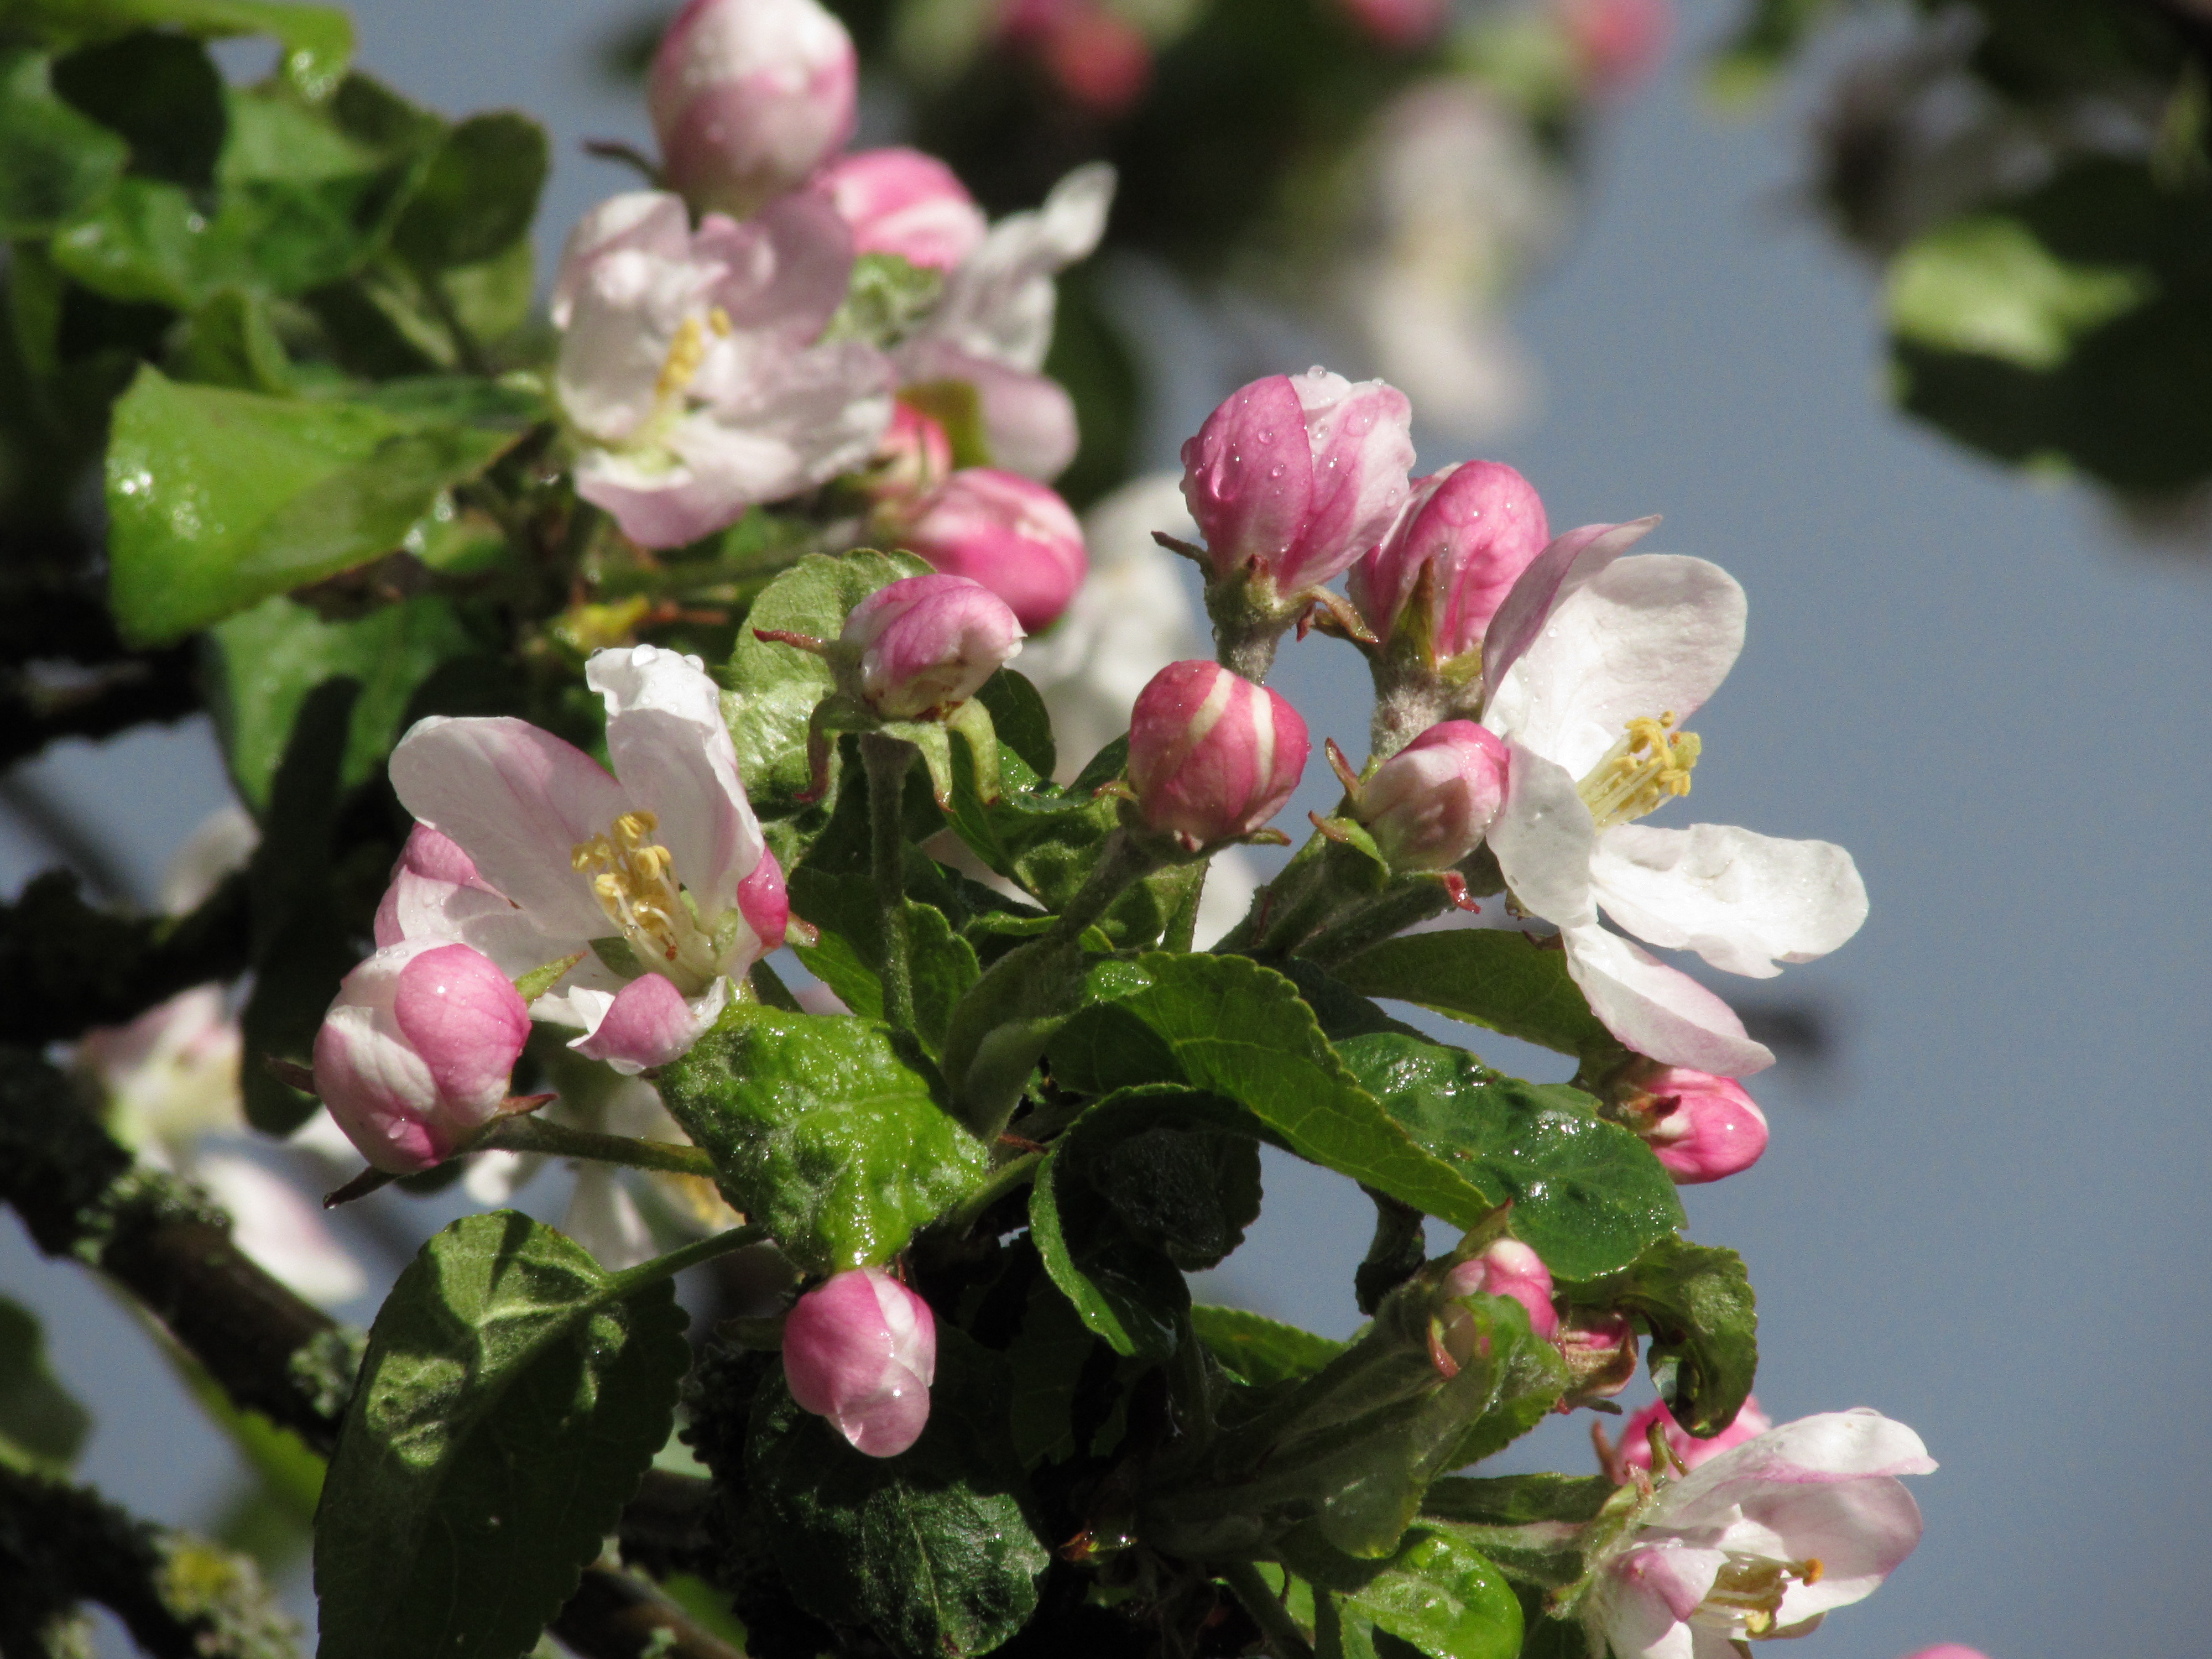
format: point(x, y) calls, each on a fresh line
point(1618, 42)
point(1948, 1650)
point(1507, 1268)
point(1600, 1349)
point(1298, 475)
point(1701, 1126)
point(1429, 805)
point(901, 201)
point(1399, 24)
point(1635, 1444)
point(1013, 535)
point(927, 643)
point(1212, 755)
point(749, 97)
point(1466, 536)
point(861, 1350)
point(913, 458)
point(414, 1055)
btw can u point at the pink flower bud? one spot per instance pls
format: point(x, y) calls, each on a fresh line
point(1508, 1268)
point(1429, 805)
point(1635, 1445)
point(1702, 1126)
point(1618, 42)
point(901, 201)
point(1102, 61)
point(1948, 1650)
point(861, 1350)
point(1299, 474)
point(927, 643)
point(414, 1055)
point(1011, 533)
point(1401, 24)
point(749, 97)
point(913, 458)
point(764, 903)
point(1212, 755)
point(1466, 536)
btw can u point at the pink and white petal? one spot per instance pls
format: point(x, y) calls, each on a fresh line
point(1543, 836)
point(649, 1022)
point(493, 1178)
point(1659, 1011)
point(885, 1422)
point(466, 1020)
point(999, 305)
point(788, 267)
point(1823, 1449)
point(605, 1219)
point(626, 314)
point(1678, 1575)
point(281, 1230)
point(1552, 576)
point(519, 801)
point(1860, 1531)
point(1646, 635)
point(651, 221)
point(672, 752)
point(1028, 420)
point(1639, 1624)
point(1744, 902)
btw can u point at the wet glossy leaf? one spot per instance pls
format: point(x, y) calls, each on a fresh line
point(1259, 1350)
point(1492, 976)
point(514, 1395)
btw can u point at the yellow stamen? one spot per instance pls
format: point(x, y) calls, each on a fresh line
point(686, 353)
point(634, 879)
point(1651, 765)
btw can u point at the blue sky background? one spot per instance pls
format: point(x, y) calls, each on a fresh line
point(1986, 1215)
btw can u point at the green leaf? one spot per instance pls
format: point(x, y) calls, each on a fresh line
point(832, 1130)
point(512, 1396)
point(1445, 1597)
point(479, 194)
point(1180, 1170)
point(42, 1428)
point(1127, 1293)
point(1493, 977)
point(1536, 1528)
point(1988, 285)
point(934, 1550)
point(318, 40)
point(1047, 1360)
point(1587, 1194)
point(265, 661)
point(218, 499)
point(850, 956)
point(775, 687)
point(1257, 1349)
point(230, 341)
point(1021, 720)
point(1697, 1302)
point(53, 161)
point(1230, 1027)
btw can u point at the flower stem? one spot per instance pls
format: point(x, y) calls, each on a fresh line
point(1283, 1633)
point(532, 1134)
point(691, 1255)
point(1015, 1172)
point(887, 760)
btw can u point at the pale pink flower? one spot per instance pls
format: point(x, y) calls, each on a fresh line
point(688, 364)
point(927, 643)
point(1763, 1540)
point(861, 1350)
point(539, 853)
point(749, 97)
point(1212, 755)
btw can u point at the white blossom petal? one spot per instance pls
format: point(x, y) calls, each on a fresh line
point(1651, 634)
point(786, 269)
point(1742, 900)
point(1561, 570)
point(279, 1230)
point(998, 304)
point(518, 800)
point(653, 222)
point(1639, 1624)
point(493, 1178)
point(605, 1220)
point(1544, 837)
point(1659, 1011)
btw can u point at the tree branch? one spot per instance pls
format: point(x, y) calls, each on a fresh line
point(68, 967)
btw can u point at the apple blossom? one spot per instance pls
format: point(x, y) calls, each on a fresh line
point(927, 643)
point(689, 365)
point(748, 97)
point(1633, 1449)
point(990, 329)
point(1762, 1540)
point(1508, 1268)
point(414, 1055)
point(861, 1350)
point(1013, 535)
point(1466, 534)
point(913, 460)
point(1701, 1126)
point(901, 201)
point(1593, 662)
point(664, 857)
point(1295, 477)
point(1429, 804)
point(1212, 755)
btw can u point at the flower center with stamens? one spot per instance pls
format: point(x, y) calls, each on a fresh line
point(1650, 765)
point(634, 879)
point(1750, 1588)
